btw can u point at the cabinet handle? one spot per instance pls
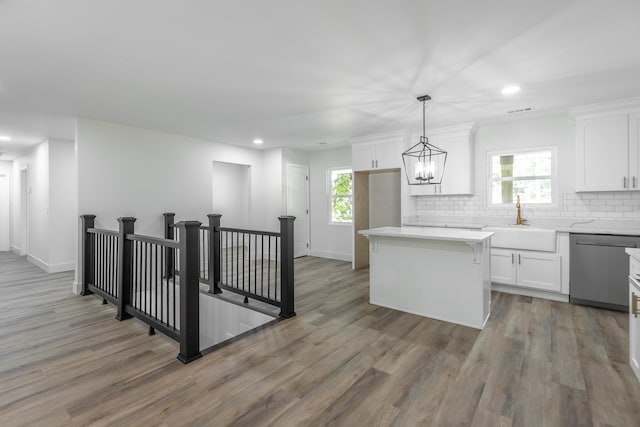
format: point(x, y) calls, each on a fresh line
point(624, 182)
point(513, 258)
point(372, 164)
point(633, 181)
point(376, 163)
point(634, 304)
point(518, 258)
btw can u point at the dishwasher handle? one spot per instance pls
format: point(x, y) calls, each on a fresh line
point(613, 245)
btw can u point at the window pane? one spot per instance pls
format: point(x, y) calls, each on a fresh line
point(341, 182)
point(521, 164)
point(530, 191)
point(341, 209)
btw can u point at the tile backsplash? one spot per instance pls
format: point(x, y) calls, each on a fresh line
point(605, 206)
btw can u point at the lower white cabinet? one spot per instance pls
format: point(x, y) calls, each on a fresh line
point(634, 326)
point(528, 269)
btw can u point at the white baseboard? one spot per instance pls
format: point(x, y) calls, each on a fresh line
point(51, 268)
point(530, 292)
point(77, 288)
point(331, 255)
point(16, 250)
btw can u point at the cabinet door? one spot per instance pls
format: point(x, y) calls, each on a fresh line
point(539, 270)
point(634, 331)
point(458, 170)
point(503, 266)
point(388, 155)
point(363, 157)
point(602, 150)
point(634, 151)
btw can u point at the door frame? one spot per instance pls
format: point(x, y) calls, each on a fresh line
point(307, 207)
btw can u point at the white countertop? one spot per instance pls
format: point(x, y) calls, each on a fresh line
point(633, 253)
point(429, 233)
point(624, 228)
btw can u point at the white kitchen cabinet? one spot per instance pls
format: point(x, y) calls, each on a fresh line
point(457, 141)
point(634, 327)
point(528, 269)
point(608, 148)
point(371, 156)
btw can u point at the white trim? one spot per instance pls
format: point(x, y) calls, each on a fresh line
point(621, 106)
point(530, 292)
point(51, 268)
point(554, 178)
point(16, 249)
point(76, 288)
point(331, 255)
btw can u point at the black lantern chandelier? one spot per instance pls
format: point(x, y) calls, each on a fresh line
point(424, 162)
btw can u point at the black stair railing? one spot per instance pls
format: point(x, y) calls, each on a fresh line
point(138, 275)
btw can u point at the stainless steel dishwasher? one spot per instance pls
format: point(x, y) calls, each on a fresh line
point(600, 270)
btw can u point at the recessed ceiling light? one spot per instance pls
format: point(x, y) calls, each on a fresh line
point(257, 141)
point(510, 90)
point(5, 138)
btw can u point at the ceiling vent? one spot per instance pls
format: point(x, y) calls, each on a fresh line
point(520, 110)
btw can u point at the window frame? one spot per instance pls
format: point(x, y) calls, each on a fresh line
point(330, 195)
point(553, 177)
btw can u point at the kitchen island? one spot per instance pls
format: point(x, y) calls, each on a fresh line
point(441, 273)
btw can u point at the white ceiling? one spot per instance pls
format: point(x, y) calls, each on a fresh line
point(299, 72)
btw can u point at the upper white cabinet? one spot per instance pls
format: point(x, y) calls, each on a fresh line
point(608, 147)
point(457, 141)
point(377, 152)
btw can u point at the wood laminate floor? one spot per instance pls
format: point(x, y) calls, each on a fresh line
point(65, 360)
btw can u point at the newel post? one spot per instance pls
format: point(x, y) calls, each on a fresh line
point(214, 253)
point(88, 221)
point(125, 261)
point(189, 291)
point(169, 233)
point(286, 267)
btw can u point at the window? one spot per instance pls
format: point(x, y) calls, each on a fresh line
point(341, 196)
point(528, 174)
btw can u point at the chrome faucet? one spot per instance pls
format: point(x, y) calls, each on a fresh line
point(519, 219)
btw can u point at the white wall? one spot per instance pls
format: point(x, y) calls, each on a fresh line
point(62, 205)
point(127, 171)
point(327, 240)
point(274, 201)
point(384, 200)
point(232, 193)
point(50, 204)
point(5, 215)
point(555, 131)
point(36, 161)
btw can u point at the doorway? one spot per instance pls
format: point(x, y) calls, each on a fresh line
point(298, 206)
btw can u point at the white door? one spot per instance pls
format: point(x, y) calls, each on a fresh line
point(298, 206)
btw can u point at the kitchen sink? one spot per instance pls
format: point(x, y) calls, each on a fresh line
point(523, 237)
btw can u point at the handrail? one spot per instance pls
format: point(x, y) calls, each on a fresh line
point(258, 232)
point(102, 231)
point(154, 240)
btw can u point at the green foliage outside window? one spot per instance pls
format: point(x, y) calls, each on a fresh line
point(341, 195)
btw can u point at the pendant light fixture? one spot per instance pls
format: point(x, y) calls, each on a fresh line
point(424, 162)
